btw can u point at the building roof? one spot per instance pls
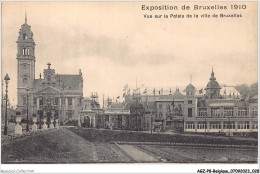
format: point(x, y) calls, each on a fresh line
point(212, 84)
point(67, 82)
point(71, 81)
point(117, 106)
point(229, 92)
point(176, 96)
point(190, 87)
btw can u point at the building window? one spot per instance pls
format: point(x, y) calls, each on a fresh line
point(228, 112)
point(242, 112)
point(41, 101)
point(24, 66)
point(215, 112)
point(243, 126)
point(202, 112)
point(24, 100)
point(160, 114)
point(201, 126)
point(189, 112)
point(190, 126)
point(229, 126)
point(254, 112)
point(160, 106)
point(24, 36)
point(189, 101)
point(23, 111)
point(69, 101)
point(24, 51)
point(24, 79)
point(28, 51)
point(215, 126)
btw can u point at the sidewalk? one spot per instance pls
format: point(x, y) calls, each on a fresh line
point(136, 154)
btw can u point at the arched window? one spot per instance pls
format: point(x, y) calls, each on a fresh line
point(24, 79)
point(24, 51)
point(24, 36)
point(28, 51)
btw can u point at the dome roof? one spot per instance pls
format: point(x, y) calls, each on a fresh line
point(212, 84)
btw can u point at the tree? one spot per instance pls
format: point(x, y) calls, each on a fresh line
point(248, 91)
point(137, 112)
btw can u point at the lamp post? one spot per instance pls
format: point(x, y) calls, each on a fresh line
point(27, 126)
point(41, 114)
point(7, 78)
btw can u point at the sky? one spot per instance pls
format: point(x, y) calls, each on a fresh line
point(113, 44)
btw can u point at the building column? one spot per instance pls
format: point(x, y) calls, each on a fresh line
point(184, 126)
point(73, 103)
point(90, 120)
point(222, 126)
point(195, 126)
point(235, 126)
point(66, 103)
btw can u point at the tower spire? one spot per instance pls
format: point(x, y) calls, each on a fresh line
point(25, 17)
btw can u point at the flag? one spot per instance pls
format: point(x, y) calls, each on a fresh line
point(154, 91)
point(201, 91)
point(162, 90)
point(124, 94)
point(225, 92)
point(118, 97)
point(170, 90)
point(128, 91)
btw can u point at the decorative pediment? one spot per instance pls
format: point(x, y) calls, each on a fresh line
point(49, 90)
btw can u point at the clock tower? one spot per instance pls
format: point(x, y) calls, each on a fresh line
point(25, 63)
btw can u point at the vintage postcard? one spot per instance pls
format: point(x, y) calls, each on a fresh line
point(171, 86)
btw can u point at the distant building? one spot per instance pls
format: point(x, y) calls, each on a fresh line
point(117, 117)
point(221, 109)
point(51, 96)
point(216, 112)
point(91, 113)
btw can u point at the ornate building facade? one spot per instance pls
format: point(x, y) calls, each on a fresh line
point(51, 96)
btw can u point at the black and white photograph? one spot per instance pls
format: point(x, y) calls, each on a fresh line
point(141, 82)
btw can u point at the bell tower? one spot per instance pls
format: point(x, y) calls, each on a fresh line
point(25, 62)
